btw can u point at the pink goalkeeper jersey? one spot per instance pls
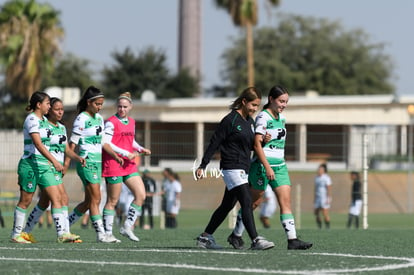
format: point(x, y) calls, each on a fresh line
point(123, 137)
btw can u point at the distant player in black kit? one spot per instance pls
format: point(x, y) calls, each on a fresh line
point(150, 189)
point(234, 138)
point(356, 202)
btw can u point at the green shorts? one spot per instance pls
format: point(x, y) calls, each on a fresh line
point(48, 176)
point(26, 175)
point(32, 174)
point(259, 181)
point(120, 179)
point(91, 173)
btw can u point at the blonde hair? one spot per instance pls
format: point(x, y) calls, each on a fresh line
point(125, 95)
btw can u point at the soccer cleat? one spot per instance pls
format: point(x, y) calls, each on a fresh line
point(19, 239)
point(75, 236)
point(28, 237)
point(236, 241)
point(102, 239)
point(127, 232)
point(261, 243)
point(298, 244)
point(207, 242)
point(111, 238)
point(67, 238)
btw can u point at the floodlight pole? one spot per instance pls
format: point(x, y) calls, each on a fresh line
point(365, 182)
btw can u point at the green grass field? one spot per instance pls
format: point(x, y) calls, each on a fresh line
point(385, 248)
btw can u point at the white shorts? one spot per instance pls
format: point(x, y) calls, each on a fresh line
point(173, 207)
point(235, 177)
point(355, 208)
point(322, 202)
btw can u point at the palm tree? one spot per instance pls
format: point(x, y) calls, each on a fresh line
point(30, 35)
point(244, 14)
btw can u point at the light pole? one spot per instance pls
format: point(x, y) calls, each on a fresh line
point(410, 110)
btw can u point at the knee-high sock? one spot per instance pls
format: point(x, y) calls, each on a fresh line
point(108, 220)
point(33, 218)
point(239, 227)
point(288, 223)
point(133, 212)
point(19, 217)
point(59, 220)
point(74, 216)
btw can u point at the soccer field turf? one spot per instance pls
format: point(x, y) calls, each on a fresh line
point(384, 249)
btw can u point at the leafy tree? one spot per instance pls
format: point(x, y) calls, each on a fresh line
point(70, 71)
point(244, 13)
point(146, 71)
point(29, 42)
point(181, 85)
point(306, 53)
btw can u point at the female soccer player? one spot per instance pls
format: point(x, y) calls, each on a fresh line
point(38, 167)
point(58, 148)
point(172, 189)
point(87, 134)
point(322, 202)
point(269, 167)
point(356, 200)
point(120, 137)
point(234, 136)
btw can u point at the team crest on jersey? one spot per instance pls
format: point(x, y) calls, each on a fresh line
point(238, 127)
point(270, 124)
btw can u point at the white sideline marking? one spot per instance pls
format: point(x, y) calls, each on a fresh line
point(409, 262)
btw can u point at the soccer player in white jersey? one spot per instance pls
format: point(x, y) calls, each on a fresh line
point(58, 148)
point(172, 189)
point(38, 167)
point(87, 135)
point(269, 167)
point(323, 198)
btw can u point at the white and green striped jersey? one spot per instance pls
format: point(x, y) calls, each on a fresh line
point(274, 150)
point(58, 141)
point(34, 124)
point(87, 133)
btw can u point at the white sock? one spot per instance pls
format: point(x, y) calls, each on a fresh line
point(33, 218)
point(108, 220)
point(74, 216)
point(239, 227)
point(19, 217)
point(98, 225)
point(65, 213)
point(133, 212)
point(288, 223)
point(58, 218)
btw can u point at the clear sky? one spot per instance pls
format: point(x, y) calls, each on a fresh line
point(95, 28)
